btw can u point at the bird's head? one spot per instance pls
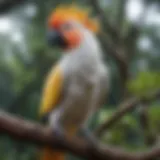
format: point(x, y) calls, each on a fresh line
point(66, 26)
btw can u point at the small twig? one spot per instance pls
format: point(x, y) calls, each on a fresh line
point(124, 109)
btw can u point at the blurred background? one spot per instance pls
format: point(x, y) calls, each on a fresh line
point(130, 29)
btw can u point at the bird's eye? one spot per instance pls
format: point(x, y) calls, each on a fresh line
point(66, 26)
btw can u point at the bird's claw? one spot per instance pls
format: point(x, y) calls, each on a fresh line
point(59, 132)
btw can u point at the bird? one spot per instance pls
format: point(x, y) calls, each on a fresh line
point(77, 85)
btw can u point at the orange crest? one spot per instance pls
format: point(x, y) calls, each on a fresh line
point(65, 13)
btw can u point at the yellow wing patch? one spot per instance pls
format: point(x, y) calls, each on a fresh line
point(52, 90)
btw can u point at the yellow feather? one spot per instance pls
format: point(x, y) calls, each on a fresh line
point(52, 90)
point(82, 15)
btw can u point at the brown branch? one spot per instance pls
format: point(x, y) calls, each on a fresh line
point(116, 50)
point(131, 41)
point(6, 5)
point(121, 14)
point(119, 58)
point(124, 109)
point(112, 51)
point(149, 138)
point(134, 32)
point(35, 133)
point(112, 30)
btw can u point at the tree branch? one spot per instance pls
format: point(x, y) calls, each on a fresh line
point(149, 138)
point(124, 109)
point(116, 50)
point(121, 14)
point(35, 133)
point(120, 61)
point(112, 30)
point(134, 32)
point(112, 51)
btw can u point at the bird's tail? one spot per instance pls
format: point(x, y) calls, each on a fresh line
point(49, 154)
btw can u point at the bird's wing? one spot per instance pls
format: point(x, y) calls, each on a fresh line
point(52, 90)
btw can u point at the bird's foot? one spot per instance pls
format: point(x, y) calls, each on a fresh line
point(90, 138)
point(59, 133)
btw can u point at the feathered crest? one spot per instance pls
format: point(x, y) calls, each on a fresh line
point(67, 12)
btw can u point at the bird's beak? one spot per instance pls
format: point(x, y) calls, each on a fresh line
point(55, 38)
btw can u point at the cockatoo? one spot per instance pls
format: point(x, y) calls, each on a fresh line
point(77, 85)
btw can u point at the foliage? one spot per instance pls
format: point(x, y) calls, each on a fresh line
point(24, 64)
point(144, 83)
